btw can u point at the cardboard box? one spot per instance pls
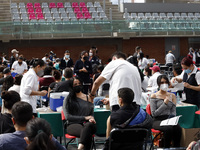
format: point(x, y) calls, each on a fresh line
point(189, 135)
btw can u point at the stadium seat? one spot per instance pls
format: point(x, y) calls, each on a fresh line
point(102, 15)
point(54, 10)
point(63, 16)
point(45, 5)
point(29, 5)
point(69, 10)
point(77, 10)
point(147, 15)
point(37, 5)
point(191, 15)
point(22, 11)
point(84, 10)
point(38, 11)
point(74, 4)
point(32, 16)
point(99, 10)
point(87, 15)
point(60, 5)
point(133, 15)
point(72, 15)
point(197, 15)
point(56, 16)
point(15, 16)
point(140, 15)
point(177, 15)
point(41, 21)
point(24, 16)
point(52, 5)
point(13, 5)
point(92, 9)
point(67, 4)
point(61, 10)
point(30, 11)
point(90, 4)
point(47, 16)
point(162, 15)
point(170, 15)
point(14, 11)
point(97, 4)
point(95, 15)
point(22, 5)
point(184, 15)
point(79, 15)
point(25, 21)
point(82, 5)
point(46, 10)
point(155, 15)
point(65, 20)
point(40, 16)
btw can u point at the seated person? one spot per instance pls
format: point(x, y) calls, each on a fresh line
point(22, 112)
point(17, 83)
point(9, 99)
point(39, 137)
point(128, 110)
point(163, 106)
point(47, 79)
point(79, 112)
point(65, 85)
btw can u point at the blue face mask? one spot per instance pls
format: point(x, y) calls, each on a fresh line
point(187, 71)
point(67, 56)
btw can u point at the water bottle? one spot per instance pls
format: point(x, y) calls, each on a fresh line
point(178, 98)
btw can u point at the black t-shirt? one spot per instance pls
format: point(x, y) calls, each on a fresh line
point(64, 86)
point(6, 124)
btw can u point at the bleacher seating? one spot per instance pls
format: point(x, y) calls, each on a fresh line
point(57, 12)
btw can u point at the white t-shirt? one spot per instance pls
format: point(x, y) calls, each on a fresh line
point(177, 85)
point(153, 80)
point(143, 63)
point(169, 58)
point(29, 83)
point(45, 60)
point(197, 76)
point(120, 74)
point(145, 83)
point(19, 69)
point(15, 88)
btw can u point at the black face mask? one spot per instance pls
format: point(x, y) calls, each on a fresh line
point(19, 63)
point(85, 58)
point(77, 89)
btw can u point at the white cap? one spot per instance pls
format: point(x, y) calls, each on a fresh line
point(14, 51)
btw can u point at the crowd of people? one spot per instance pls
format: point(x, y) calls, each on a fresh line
point(86, 80)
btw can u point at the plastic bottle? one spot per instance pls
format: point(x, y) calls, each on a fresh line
point(178, 98)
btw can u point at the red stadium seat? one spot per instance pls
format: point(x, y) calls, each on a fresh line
point(40, 16)
point(38, 11)
point(37, 5)
point(77, 10)
point(74, 4)
point(52, 5)
point(79, 16)
point(30, 11)
point(32, 17)
point(84, 10)
point(87, 15)
point(82, 5)
point(29, 5)
point(60, 5)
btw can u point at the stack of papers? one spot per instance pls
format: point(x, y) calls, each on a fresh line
point(170, 122)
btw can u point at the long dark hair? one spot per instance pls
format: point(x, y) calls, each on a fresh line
point(38, 132)
point(72, 105)
point(8, 82)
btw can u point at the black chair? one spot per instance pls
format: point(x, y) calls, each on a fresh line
point(128, 139)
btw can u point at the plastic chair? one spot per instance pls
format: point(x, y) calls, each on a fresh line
point(46, 10)
point(60, 5)
point(52, 5)
point(29, 5)
point(45, 5)
point(157, 132)
point(61, 10)
point(71, 137)
point(16, 16)
point(97, 4)
point(74, 4)
point(126, 139)
point(54, 10)
point(90, 4)
point(32, 17)
point(63, 15)
point(77, 10)
point(56, 16)
point(79, 15)
point(69, 10)
point(14, 11)
point(48, 16)
point(24, 16)
point(37, 5)
point(30, 11)
point(40, 16)
point(85, 10)
point(22, 11)
point(82, 5)
point(22, 5)
point(38, 11)
point(13, 5)
point(67, 4)
point(87, 16)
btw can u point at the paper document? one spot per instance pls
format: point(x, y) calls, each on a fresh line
point(170, 122)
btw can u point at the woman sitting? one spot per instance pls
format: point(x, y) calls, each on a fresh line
point(163, 106)
point(79, 112)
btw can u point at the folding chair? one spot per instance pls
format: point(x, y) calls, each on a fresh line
point(71, 137)
point(156, 132)
point(126, 139)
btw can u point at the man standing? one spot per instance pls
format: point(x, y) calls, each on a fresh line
point(153, 79)
point(120, 74)
point(66, 61)
point(19, 66)
point(13, 57)
point(170, 59)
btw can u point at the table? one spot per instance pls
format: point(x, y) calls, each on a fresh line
point(54, 118)
point(189, 119)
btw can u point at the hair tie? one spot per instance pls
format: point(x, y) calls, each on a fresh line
point(39, 131)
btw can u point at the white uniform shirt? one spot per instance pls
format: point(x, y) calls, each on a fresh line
point(29, 83)
point(169, 58)
point(19, 69)
point(153, 80)
point(15, 88)
point(120, 74)
point(142, 63)
point(197, 76)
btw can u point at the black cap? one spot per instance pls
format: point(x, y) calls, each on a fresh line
point(6, 70)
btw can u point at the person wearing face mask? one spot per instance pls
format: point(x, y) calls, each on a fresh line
point(19, 66)
point(192, 54)
point(30, 83)
point(14, 56)
point(79, 112)
point(83, 69)
point(92, 57)
point(66, 61)
point(163, 106)
point(191, 81)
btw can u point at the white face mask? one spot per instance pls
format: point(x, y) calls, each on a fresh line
point(164, 87)
point(90, 54)
point(16, 55)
